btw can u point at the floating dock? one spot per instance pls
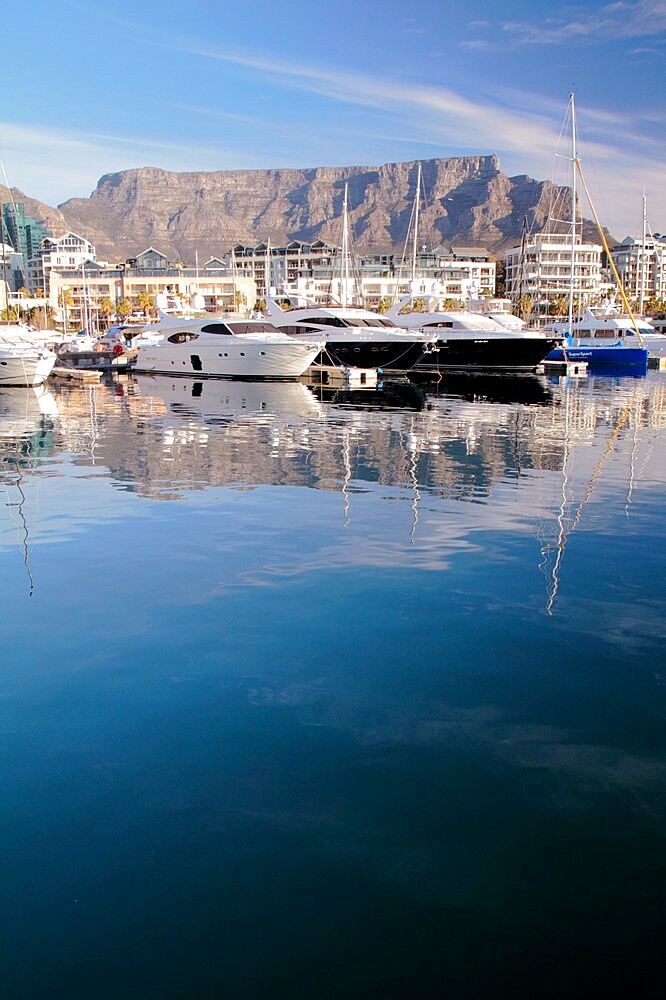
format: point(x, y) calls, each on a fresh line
point(87, 376)
point(340, 375)
point(577, 369)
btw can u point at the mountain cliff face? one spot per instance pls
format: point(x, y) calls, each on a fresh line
point(467, 201)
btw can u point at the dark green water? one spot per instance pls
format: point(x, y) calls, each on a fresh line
point(314, 698)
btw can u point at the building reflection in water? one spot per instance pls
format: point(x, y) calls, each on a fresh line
point(524, 449)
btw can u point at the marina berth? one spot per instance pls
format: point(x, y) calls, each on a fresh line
point(24, 361)
point(354, 336)
point(215, 348)
point(470, 340)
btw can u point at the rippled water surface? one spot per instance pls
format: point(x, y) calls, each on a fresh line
point(356, 696)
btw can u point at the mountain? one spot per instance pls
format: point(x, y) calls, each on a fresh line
point(467, 201)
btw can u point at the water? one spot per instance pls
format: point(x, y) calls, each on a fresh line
point(307, 697)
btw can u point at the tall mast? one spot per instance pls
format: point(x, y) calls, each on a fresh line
point(641, 298)
point(416, 221)
point(574, 156)
point(345, 247)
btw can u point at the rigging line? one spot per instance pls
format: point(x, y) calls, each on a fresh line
point(588, 492)
point(19, 506)
point(632, 465)
point(604, 241)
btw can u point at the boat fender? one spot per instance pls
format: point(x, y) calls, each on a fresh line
point(99, 347)
point(117, 349)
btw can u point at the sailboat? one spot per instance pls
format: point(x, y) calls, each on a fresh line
point(619, 345)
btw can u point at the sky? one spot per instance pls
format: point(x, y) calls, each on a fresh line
point(93, 88)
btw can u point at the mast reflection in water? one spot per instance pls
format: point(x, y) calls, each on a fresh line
point(333, 693)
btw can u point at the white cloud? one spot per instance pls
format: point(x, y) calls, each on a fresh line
point(613, 21)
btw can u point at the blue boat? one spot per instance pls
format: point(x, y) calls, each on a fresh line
point(618, 354)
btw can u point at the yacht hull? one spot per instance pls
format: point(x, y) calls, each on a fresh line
point(25, 369)
point(385, 354)
point(230, 358)
point(512, 353)
point(616, 355)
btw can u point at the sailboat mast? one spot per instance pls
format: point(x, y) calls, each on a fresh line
point(574, 155)
point(345, 247)
point(641, 299)
point(416, 221)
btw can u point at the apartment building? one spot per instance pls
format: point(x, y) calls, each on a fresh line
point(541, 269)
point(641, 265)
point(86, 296)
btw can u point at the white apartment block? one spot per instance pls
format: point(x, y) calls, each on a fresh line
point(541, 268)
point(67, 252)
point(641, 267)
point(79, 295)
point(317, 272)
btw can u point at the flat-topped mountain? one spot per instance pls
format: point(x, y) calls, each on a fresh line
point(466, 201)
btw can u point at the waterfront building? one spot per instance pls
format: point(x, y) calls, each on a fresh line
point(641, 265)
point(540, 268)
point(64, 252)
point(24, 234)
point(317, 271)
point(95, 294)
point(86, 293)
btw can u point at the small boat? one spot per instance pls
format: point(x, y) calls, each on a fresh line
point(606, 325)
point(606, 339)
point(215, 348)
point(23, 360)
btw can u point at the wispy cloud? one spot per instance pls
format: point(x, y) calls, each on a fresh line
point(642, 19)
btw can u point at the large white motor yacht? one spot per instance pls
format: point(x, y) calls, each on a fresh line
point(23, 360)
point(354, 336)
point(229, 348)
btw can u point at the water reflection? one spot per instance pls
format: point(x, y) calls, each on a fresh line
point(470, 454)
point(26, 424)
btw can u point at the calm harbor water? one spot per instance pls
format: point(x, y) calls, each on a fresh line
point(358, 696)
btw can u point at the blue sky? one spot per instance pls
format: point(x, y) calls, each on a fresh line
point(96, 88)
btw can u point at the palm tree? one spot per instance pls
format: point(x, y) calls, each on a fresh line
point(123, 308)
point(65, 300)
point(145, 302)
point(559, 306)
point(525, 306)
point(106, 308)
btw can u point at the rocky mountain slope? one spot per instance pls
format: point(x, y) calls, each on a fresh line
point(466, 201)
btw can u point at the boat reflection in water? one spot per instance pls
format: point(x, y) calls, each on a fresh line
point(27, 417)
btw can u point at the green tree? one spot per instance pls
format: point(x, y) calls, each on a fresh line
point(123, 308)
point(559, 306)
point(525, 306)
point(106, 309)
point(145, 303)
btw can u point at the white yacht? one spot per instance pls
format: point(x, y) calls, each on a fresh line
point(217, 348)
point(353, 335)
point(23, 360)
point(472, 340)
